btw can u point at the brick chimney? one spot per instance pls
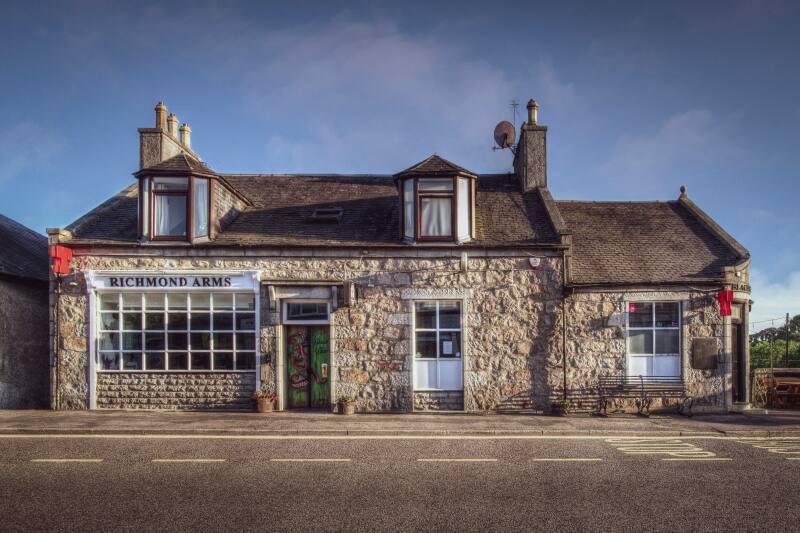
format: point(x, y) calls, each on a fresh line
point(161, 142)
point(530, 161)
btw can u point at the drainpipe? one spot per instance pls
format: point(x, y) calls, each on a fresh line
point(564, 319)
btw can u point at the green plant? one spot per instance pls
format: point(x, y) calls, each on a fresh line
point(345, 399)
point(264, 395)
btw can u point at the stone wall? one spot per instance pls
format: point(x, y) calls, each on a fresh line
point(24, 350)
point(175, 390)
point(596, 342)
point(226, 205)
point(438, 401)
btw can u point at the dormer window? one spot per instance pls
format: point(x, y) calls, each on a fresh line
point(174, 208)
point(438, 201)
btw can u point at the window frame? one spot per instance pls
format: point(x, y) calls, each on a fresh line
point(653, 329)
point(438, 359)
point(452, 195)
point(120, 352)
point(285, 312)
point(147, 214)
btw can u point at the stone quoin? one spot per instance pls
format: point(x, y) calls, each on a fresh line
point(434, 288)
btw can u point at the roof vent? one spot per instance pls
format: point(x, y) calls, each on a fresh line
point(327, 215)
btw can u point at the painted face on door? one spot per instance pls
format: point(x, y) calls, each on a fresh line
point(298, 379)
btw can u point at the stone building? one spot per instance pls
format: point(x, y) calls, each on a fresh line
point(434, 288)
point(24, 352)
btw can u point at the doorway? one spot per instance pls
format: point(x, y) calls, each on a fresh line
point(307, 366)
point(738, 366)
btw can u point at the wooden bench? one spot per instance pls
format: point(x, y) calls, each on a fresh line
point(643, 390)
point(785, 387)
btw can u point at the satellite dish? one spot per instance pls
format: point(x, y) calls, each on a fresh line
point(504, 134)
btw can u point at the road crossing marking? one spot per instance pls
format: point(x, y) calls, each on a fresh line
point(188, 460)
point(674, 448)
point(565, 459)
point(66, 460)
point(466, 460)
point(309, 460)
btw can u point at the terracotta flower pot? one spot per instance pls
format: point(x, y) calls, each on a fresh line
point(558, 409)
point(347, 408)
point(264, 406)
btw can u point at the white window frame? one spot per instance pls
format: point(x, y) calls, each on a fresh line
point(285, 312)
point(653, 329)
point(437, 329)
point(98, 331)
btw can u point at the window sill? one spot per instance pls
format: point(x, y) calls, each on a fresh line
point(133, 371)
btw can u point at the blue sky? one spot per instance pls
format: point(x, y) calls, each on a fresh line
point(640, 98)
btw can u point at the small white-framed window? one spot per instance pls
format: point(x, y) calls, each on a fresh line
point(306, 312)
point(654, 339)
point(438, 345)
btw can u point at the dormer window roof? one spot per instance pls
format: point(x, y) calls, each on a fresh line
point(438, 199)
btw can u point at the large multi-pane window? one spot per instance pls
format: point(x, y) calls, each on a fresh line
point(437, 345)
point(152, 331)
point(654, 339)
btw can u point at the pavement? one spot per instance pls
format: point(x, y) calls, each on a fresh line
point(528, 482)
point(772, 424)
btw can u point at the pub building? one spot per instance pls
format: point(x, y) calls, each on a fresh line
point(434, 288)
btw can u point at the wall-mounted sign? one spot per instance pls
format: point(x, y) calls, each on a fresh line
point(167, 281)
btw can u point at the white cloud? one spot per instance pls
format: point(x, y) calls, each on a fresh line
point(26, 147)
point(773, 299)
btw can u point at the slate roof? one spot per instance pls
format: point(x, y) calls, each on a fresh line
point(179, 164)
point(24, 252)
point(642, 242)
point(434, 165)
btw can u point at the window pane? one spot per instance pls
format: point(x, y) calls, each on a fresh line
point(153, 301)
point(425, 375)
point(640, 342)
point(132, 341)
point(109, 361)
point(177, 341)
point(442, 185)
point(177, 301)
point(223, 301)
point(109, 321)
point(201, 341)
point(246, 302)
point(435, 217)
point(223, 361)
point(109, 302)
point(408, 208)
point(200, 321)
point(223, 321)
point(450, 344)
point(155, 361)
point(464, 217)
point(201, 301)
point(131, 361)
point(109, 341)
point(667, 315)
point(245, 360)
point(667, 365)
point(426, 344)
point(425, 315)
point(201, 361)
point(170, 184)
point(450, 375)
point(200, 228)
point(640, 366)
point(450, 315)
point(131, 321)
point(307, 311)
point(177, 321)
point(170, 216)
point(223, 341)
point(131, 301)
point(245, 341)
point(640, 315)
point(245, 321)
point(178, 361)
point(154, 341)
point(667, 341)
point(154, 321)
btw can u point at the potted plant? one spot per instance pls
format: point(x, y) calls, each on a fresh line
point(347, 405)
point(265, 401)
point(559, 408)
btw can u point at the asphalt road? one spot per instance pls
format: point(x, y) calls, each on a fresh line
point(477, 484)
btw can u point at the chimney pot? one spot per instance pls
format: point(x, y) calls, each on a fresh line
point(161, 116)
point(186, 139)
point(172, 125)
point(533, 111)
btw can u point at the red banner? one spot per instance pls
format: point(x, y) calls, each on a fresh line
point(725, 299)
point(61, 256)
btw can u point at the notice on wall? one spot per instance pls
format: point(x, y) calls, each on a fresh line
point(447, 347)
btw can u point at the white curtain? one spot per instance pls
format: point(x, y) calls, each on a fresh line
point(408, 206)
point(170, 215)
point(436, 217)
point(200, 207)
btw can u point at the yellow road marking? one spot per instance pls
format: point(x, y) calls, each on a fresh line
point(188, 460)
point(565, 459)
point(466, 460)
point(117, 436)
point(697, 459)
point(66, 460)
point(309, 460)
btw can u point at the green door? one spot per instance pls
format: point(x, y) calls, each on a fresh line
point(308, 365)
